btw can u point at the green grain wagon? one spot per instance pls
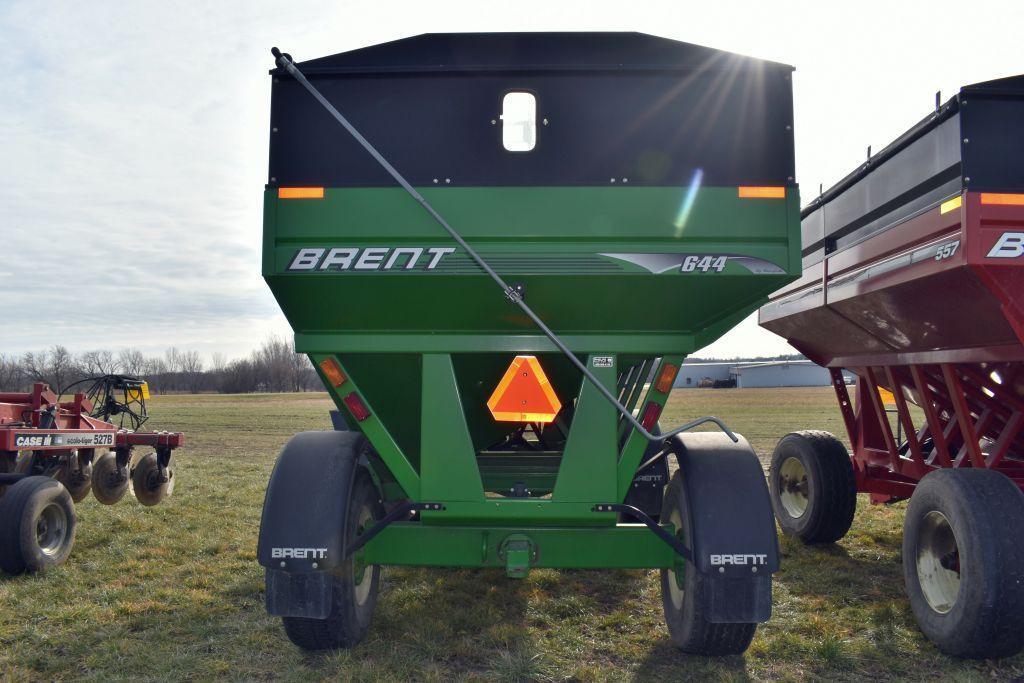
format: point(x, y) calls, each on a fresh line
point(497, 249)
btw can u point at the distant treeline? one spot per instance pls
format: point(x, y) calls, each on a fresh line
point(272, 367)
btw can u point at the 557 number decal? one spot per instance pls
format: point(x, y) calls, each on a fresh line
point(945, 251)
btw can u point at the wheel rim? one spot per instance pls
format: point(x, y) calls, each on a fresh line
point(362, 575)
point(938, 562)
point(51, 529)
point(675, 579)
point(793, 487)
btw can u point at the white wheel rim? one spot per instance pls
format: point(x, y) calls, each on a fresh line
point(362, 587)
point(675, 593)
point(51, 529)
point(938, 562)
point(793, 487)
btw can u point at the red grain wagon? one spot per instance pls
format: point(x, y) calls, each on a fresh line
point(914, 281)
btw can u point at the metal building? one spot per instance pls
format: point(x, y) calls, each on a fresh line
point(783, 373)
point(694, 375)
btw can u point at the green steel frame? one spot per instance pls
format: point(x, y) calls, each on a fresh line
point(563, 528)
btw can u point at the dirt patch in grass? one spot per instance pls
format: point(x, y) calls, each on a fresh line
point(174, 592)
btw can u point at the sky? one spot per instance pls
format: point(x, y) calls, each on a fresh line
point(134, 135)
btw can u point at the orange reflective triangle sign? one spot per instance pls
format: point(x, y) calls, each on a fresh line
point(524, 394)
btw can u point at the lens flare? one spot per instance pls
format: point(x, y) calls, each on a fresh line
point(688, 199)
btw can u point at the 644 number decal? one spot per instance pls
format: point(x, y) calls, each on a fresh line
point(703, 264)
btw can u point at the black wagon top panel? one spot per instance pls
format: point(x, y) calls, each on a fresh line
point(602, 106)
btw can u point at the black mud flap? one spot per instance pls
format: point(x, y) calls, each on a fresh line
point(732, 528)
point(299, 595)
point(303, 527)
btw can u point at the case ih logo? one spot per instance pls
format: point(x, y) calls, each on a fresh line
point(1009, 245)
point(368, 258)
point(32, 440)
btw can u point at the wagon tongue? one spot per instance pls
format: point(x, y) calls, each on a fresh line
point(284, 61)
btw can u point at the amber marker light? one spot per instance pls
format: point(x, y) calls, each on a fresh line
point(666, 378)
point(762, 192)
point(951, 205)
point(333, 372)
point(1001, 198)
point(300, 193)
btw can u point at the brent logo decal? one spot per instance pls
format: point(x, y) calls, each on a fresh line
point(1009, 245)
point(368, 258)
point(739, 559)
point(299, 553)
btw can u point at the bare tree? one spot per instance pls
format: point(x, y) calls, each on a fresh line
point(218, 362)
point(132, 362)
point(100, 362)
point(54, 366)
point(191, 368)
point(12, 375)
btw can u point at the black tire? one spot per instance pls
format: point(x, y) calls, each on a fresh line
point(814, 494)
point(963, 562)
point(147, 484)
point(109, 480)
point(683, 604)
point(355, 588)
point(37, 525)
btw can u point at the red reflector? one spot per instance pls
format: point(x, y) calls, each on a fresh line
point(333, 372)
point(650, 415)
point(666, 377)
point(356, 406)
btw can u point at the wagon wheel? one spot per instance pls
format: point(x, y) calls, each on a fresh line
point(681, 593)
point(109, 479)
point(149, 484)
point(962, 560)
point(37, 525)
point(813, 491)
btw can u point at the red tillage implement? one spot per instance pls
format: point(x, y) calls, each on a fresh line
point(914, 281)
point(53, 453)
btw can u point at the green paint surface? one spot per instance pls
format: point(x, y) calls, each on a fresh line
point(424, 347)
point(551, 241)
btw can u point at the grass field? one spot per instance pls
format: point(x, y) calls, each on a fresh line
point(174, 592)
